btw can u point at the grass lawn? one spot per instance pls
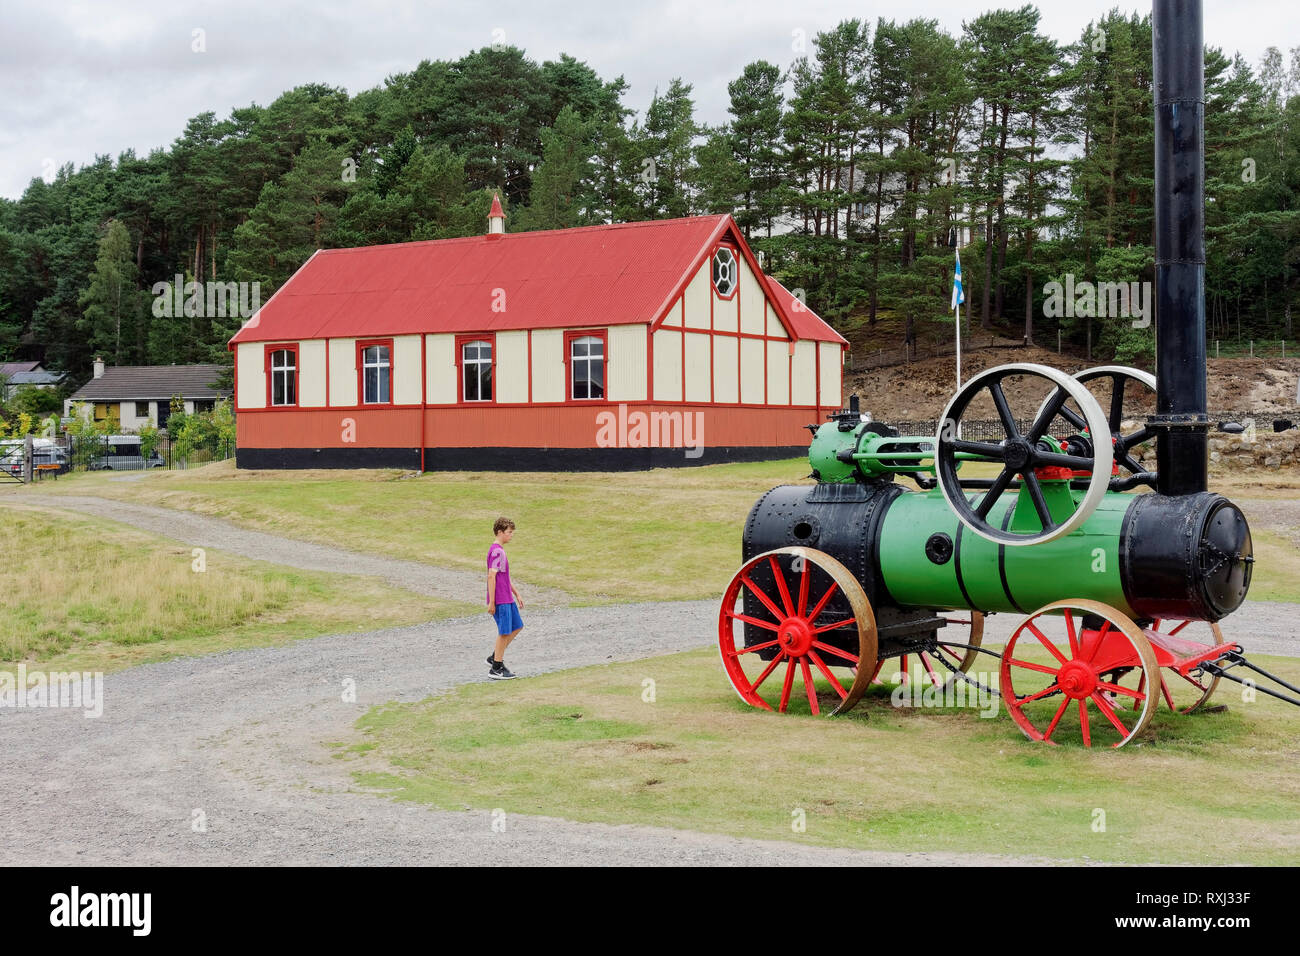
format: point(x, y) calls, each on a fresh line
point(1277, 568)
point(667, 534)
point(87, 594)
point(584, 745)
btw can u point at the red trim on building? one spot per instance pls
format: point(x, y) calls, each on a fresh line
point(424, 394)
point(817, 377)
point(713, 374)
point(569, 336)
point(583, 402)
point(736, 258)
point(740, 376)
point(266, 371)
point(461, 342)
point(361, 346)
point(679, 287)
point(513, 426)
point(683, 337)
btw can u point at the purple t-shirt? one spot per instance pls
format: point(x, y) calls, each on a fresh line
point(497, 559)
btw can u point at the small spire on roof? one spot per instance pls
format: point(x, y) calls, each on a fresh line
point(496, 217)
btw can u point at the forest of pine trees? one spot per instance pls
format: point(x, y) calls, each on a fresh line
point(853, 170)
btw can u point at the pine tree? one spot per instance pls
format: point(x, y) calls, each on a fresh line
point(561, 184)
point(719, 175)
point(112, 302)
point(292, 218)
point(931, 101)
point(394, 159)
point(754, 140)
point(667, 141)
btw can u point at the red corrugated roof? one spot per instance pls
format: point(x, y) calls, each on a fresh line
point(565, 278)
point(806, 323)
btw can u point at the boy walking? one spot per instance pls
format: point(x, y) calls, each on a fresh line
point(503, 600)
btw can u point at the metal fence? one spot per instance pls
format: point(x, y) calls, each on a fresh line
point(974, 430)
point(992, 430)
point(1252, 348)
point(926, 347)
point(52, 457)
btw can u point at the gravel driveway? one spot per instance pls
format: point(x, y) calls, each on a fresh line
point(242, 738)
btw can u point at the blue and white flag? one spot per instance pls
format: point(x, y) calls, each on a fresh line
point(958, 294)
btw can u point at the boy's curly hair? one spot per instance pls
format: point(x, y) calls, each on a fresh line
point(501, 524)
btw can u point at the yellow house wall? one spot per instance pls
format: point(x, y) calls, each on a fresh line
point(440, 368)
point(510, 374)
point(406, 370)
point(343, 371)
point(311, 373)
point(804, 384)
point(548, 365)
point(668, 366)
point(249, 361)
point(831, 368)
point(625, 372)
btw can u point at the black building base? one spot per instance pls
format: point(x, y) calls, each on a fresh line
point(405, 458)
point(510, 459)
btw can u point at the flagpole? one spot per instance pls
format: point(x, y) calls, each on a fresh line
point(959, 346)
point(958, 295)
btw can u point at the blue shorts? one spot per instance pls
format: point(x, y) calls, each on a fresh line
point(508, 619)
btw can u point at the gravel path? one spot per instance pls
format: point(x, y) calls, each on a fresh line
point(242, 737)
point(206, 532)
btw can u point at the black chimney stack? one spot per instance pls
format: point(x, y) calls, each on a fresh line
point(1180, 422)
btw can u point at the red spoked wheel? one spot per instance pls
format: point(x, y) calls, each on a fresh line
point(807, 616)
point(1186, 693)
point(963, 628)
point(1063, 675)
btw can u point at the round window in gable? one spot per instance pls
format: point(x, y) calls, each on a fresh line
point(724, 271)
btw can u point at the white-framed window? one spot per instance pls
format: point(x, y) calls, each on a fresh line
point(725, 271)
point(587, 367)
point(377, 373)
point(476, 371)
point(284, 378)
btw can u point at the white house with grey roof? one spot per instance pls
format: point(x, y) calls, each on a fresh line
point(140, 395)
point(15, 375)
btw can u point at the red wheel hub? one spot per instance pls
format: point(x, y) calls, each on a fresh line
point(796, 636)
point(1077, 679)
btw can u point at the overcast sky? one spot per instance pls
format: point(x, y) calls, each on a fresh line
point(102, 76)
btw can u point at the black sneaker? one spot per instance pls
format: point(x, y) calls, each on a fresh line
point(500, 672)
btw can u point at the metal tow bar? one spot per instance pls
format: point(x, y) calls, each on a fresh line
point(1235, 658)
point(961, 675)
